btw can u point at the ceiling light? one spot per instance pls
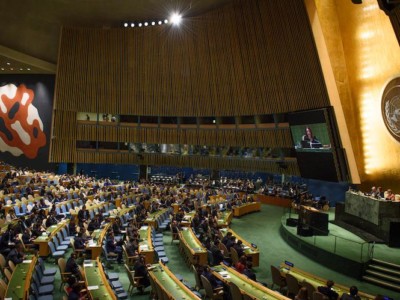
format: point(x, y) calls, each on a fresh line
point(145, 23)
point(165, 21)
point(8, 64)
point(2, 69)
point(153, 23)
point(159, 22)
point(11, 69)
point(20, 69)
point(176, 18)
point(125, 24)
point(140, 24)
point(28, 69)
point(132, 24)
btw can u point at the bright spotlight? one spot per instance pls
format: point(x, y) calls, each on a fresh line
point(165, 21)
point(159, 22)
point(132, 24)
point(176, 19)
point(125, 24)
point(145, 23)
point(153, 23)
point(140, 24)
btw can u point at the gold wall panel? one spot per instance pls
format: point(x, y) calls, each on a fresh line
point(365, 56)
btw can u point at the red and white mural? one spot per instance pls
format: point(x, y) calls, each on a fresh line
point(21, 128)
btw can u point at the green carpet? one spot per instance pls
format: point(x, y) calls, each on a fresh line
point(262, 229)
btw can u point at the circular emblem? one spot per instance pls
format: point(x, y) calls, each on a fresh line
point(391, 107)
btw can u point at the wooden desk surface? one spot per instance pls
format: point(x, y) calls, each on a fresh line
point(96, 281)
point(316, 281)
point(246, 285)
point(171, 285)
point(246, 208)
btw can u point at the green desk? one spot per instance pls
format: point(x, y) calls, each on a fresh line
point(246, 285)
point(192, 247)
point(169, 284)
point(225, 219)
point(43, 240)
point(316, 281)
point(145, 244)
point(152, 219)
point(19, 285)
point(96, 281)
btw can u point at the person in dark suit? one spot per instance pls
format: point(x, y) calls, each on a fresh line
point(218, 257)
point(79, 242)
point(215, 283)
point(112, 246)
point(16, 255)
point(328, 291)
point(72, 267)
point(141, 271)
point(83, 215)
point(352, 295)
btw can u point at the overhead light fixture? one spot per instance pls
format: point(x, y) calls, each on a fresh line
point(132, 24)
point(176, 18)
point(140, 24)
point(145, 23)
point(28, 69)
point(165, 21)
point(8, 64)
point(159, 22)
point(125, 24)
point(153, 23)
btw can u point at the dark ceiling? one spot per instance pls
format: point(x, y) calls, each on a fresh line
point(30, 28)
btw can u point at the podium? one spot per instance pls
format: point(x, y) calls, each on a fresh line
point(312, 220)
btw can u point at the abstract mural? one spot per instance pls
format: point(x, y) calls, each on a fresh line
point(21, 128)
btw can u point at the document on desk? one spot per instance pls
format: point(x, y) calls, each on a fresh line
point(224, 274)
point(88, 265)
point(28, 261)
point(93, 287)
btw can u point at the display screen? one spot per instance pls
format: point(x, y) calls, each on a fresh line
point(315, 138)
point(311, 137)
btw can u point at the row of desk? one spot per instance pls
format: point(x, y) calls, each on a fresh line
point(51, 232)
point(247, 286)
point(192, 247)
point(96, 281)
point(246, 208)
point(316, 281)
point(19, 285)
point(168, 284)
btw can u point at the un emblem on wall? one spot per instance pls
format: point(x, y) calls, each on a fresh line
point(391, 107)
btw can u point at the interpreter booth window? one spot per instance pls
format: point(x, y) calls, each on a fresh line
point(108, 145)
point(86, 145)
point(108, 118)
point(86, 116)
point(128, 119)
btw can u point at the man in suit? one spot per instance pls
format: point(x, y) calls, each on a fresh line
point(16, 255)
point(328, 291)
point(352, 295)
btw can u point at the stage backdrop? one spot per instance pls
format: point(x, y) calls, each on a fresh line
point(26, 103)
